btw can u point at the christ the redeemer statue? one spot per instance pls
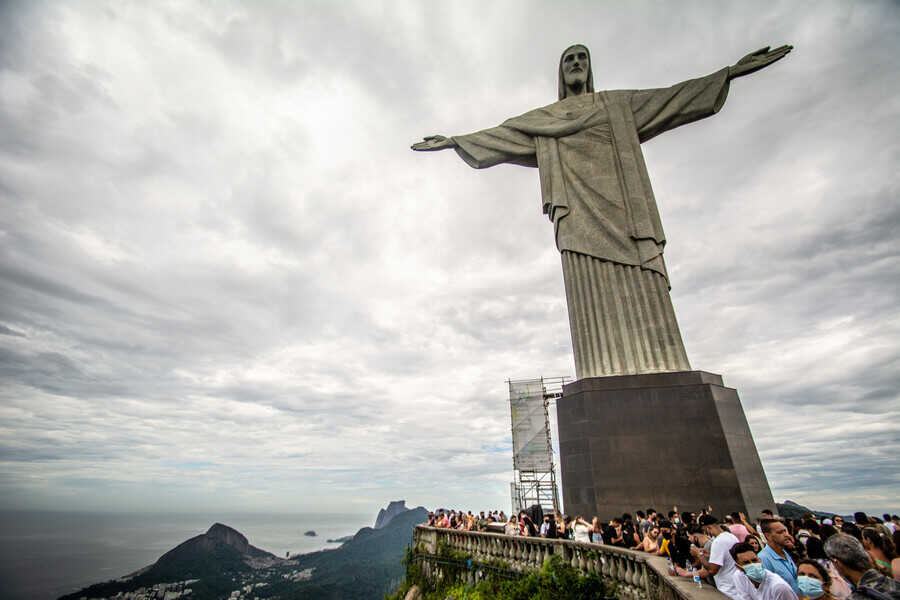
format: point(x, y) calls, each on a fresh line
point(596, 191)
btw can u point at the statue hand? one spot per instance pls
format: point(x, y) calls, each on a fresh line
point(757, 60)
point(434, 142)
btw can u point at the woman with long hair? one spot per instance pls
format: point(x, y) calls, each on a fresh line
point(880, 547)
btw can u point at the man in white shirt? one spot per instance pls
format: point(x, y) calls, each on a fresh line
point(720, 563)
point(752, 581)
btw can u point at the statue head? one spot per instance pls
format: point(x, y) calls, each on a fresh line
point(575, 75)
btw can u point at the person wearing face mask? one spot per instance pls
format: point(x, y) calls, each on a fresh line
point(675, 546)
point(752, 581)
point(719, 562)
point(814, 581)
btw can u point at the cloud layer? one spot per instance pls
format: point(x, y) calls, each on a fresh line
point(226, 282)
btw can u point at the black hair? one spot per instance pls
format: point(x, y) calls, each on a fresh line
point(766, 525)
point(851, 529)
point(826, 531)
point(811, 526)
point(740, 548)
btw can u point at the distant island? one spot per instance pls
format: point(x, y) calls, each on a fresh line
point(222, 563)
point(310, 533)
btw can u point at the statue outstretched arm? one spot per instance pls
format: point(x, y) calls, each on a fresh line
point(434, 142)
point(659, 110)
point(755, 61)
point(486, 148)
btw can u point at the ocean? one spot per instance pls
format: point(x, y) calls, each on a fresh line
point(44, 555)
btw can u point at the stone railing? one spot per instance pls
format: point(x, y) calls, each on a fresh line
point(636, 575)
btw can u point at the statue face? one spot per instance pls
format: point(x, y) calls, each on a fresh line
point(576, 66)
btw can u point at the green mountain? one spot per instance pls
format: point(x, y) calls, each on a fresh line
point(792, 510)
point(220, 561)
point(216, 558)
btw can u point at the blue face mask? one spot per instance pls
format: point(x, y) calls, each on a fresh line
point(755, 572)
point(810, 587)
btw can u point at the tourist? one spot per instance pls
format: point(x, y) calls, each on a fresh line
point(526, 525)
point(815, 547)
point(754, 541)
point(443, 521)
point(854, 564)
point(641, 522)
point(650, 522)
point(699, 538)
point(560, 525)
point(736, 526)
point(852, 529)
point(650, 543)
point(775, 556)
point(629, 532)
point(752, 581)
point(613, 533)
point(545, 526)
point(570, 528)
point(582, 530)
point(815, 581)
point(889, 523)
point(826, 531)
point(596, 531)
point(720, 564)
point(512, 526)
point(881, 549)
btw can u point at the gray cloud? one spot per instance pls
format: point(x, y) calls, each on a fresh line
point(225, 281)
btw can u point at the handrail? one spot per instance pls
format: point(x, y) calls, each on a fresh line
point(636, 575)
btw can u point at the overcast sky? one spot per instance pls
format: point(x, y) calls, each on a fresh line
point(226, 283)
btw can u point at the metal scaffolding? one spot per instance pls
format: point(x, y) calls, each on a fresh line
point(532, 451)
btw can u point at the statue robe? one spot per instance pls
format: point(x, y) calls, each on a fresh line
point(597, 193)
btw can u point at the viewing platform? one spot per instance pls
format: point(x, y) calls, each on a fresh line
point(635, 575)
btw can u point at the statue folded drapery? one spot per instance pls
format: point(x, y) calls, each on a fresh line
point(596, 191)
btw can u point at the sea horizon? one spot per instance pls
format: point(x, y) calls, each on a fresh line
point(48, 553)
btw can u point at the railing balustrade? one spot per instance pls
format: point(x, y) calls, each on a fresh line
point(636, 575)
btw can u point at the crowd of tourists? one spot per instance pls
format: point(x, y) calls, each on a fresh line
point(768, 559)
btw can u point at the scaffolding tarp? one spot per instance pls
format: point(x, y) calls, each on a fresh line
point(530, 435)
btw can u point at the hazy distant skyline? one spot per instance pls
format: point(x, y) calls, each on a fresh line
point(227, 283)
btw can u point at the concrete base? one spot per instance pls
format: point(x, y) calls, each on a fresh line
point(631, 442)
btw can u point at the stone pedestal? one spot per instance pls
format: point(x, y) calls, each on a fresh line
point(631, 442)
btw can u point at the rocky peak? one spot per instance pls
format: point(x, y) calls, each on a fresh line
point(229, 536)
point(386, 514)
